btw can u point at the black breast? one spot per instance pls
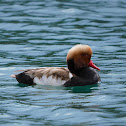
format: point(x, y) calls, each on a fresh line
point(85, 76)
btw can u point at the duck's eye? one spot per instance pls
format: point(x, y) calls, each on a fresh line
point(85, 55)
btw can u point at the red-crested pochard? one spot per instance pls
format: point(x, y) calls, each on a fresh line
point(80, 71)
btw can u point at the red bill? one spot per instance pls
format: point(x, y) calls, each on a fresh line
point(91, 64)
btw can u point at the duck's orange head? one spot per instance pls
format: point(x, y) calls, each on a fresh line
point(79, 57)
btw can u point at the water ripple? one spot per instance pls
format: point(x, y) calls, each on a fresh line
point(39, 34)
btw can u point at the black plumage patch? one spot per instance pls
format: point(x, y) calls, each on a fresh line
point(25, 79)
point(70, 64)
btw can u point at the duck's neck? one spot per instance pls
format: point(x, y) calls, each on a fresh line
point(73, 69)
point(83, 72)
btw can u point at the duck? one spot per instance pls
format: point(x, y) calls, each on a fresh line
point(80, 71)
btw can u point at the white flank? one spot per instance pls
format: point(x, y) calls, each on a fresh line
point(70, 75)
point(49, 81)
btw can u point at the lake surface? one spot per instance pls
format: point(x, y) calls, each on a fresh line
point(39, 33)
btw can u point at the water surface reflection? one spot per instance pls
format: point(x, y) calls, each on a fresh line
point(40, 33)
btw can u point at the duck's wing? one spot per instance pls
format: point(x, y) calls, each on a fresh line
point(44, 76)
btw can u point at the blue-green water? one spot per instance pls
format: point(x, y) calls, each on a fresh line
point(39, 33)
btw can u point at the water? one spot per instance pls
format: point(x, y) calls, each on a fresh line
point(40, 33)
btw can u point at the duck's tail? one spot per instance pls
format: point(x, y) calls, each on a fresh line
point(13, 76)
